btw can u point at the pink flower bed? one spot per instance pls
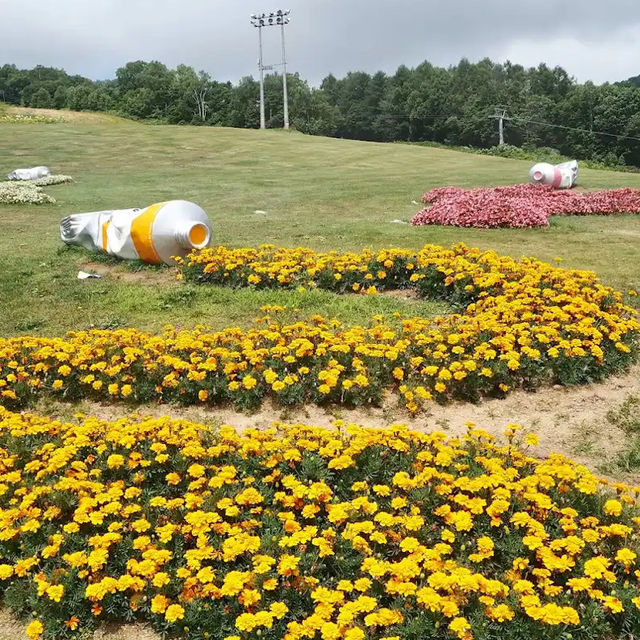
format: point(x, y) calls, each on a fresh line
point(523, 205)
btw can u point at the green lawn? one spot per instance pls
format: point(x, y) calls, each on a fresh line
point(317, 192)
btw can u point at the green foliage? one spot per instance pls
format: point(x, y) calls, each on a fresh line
point(550, 110)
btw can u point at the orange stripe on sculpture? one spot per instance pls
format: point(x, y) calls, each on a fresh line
point(142, 234)
point(105, 226)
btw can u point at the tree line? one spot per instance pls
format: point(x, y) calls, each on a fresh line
point(453, 106)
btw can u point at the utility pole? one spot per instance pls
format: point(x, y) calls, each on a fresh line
point(261, 67)
point(272, 19)
point(500, 116)
point(284, 21)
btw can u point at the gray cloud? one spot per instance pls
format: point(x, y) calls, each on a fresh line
point(593, 40)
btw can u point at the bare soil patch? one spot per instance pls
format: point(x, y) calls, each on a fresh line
point(404, 295)
point(13, 629)
point(121, 272)
point(568, 420)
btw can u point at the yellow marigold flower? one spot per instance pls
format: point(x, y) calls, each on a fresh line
point(288, 565)
point(160, 579)
point(174, 613)
point(249, 382)
point(354, 634)
point(459, 626)
point(330, 631)
point(172, 478)
point(362, 584)
point(341, 462)
point(55, 592)
point(270, 585)
point(141, 525)
point(532, 439)
point(612, 508)
point(409, 544)
point(596, 567)
point(34, 629)
point(613, 604)
point(72, 623)
point(381, 490)
point(501, 613)
point(196, 470)
point(115, 461)
point(625, 556)
point(279, 609)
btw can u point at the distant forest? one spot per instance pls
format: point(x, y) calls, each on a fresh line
point(452, 106)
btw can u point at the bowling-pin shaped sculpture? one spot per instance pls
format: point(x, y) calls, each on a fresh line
point(29, 174)
point(559, 176)
point(154, 234)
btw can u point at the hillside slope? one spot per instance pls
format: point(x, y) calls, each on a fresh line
point(257, 186)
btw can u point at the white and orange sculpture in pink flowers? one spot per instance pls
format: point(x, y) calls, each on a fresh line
point(559, 176)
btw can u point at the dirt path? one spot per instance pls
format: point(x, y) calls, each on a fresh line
point(568, 420)
point(13, 629)
point(119, 271)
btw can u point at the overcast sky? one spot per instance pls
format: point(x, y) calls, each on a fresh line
point(595, 40)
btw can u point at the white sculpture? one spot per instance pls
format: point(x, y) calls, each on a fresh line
point(29, 174)
point(153, 234)
point(559, 176)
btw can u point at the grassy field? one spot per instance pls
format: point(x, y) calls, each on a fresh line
point(257, 187)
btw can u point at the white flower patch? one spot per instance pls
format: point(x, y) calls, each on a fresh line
point(23, 193)
point(49, 180)
point(27, 118)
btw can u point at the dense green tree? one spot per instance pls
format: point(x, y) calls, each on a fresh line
point(41, 99)
point(145, 89)
point(545, 106)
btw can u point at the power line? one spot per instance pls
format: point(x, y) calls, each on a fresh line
point(562, 126)
point(497, 115)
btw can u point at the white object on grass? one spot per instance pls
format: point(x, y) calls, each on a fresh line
point(155, 234)
point(29, 174)
point(83, 275)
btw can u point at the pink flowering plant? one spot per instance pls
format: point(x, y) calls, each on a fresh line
point(522, 205)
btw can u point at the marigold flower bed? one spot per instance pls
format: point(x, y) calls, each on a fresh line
point(303, 532)
point(523, 205)
point(522, 324)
